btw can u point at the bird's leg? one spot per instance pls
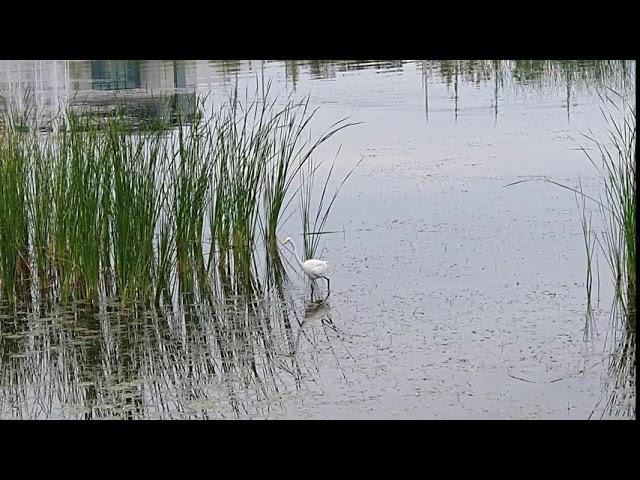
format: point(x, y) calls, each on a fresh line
point(328, 287)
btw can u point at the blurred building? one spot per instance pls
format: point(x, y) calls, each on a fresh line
point(143, 87)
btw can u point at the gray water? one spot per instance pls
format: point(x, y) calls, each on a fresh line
point(452, 296)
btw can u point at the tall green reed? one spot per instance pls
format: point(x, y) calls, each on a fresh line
point(135, 206)
point(313, 226)
point(14, 219)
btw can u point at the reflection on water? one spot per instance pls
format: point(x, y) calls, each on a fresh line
point(152, 98)
point(622, 400)
point(317, 309)
point(100, 82)
point(226, 360)
point(217, 358)
point(115, 74)
point(145, 92)
point(328, 69)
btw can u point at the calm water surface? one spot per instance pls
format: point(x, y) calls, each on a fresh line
point(452, 295)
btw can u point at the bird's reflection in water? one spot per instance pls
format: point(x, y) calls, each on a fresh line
point(316, 309)
point(319, 310)
point(316, 313)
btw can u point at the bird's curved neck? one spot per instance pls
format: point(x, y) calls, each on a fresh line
point(295, 252)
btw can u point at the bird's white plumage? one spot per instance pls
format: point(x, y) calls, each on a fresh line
point(315, 268)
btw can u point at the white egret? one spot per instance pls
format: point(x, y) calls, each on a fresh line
point(313, 268)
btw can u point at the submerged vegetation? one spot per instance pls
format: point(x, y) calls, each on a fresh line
point(101, 207)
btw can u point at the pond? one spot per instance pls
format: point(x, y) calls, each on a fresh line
point(455, 292)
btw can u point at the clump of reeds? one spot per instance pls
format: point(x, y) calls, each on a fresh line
point(616, 169)
point(14, 218)
point(102, 207)
point(619, 237)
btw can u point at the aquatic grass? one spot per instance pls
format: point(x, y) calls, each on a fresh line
point(259, 150)
point(293, 122)
point(60, 219)
point(589, 241)
point(14, 219)
point(290, 159)
point(191, 177)
point(616, 170)
point(589, 238)
point(313, 226)
point(136, 203)
point(247, 151)
point(17, 145)
point(43, 210)
point(105, 208)
point(84, 202)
